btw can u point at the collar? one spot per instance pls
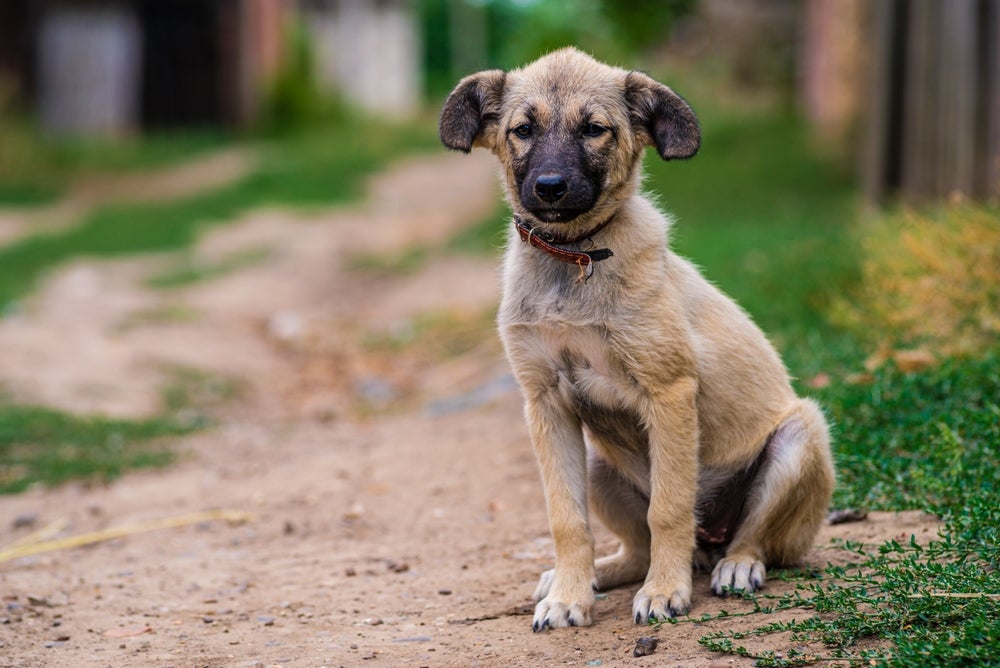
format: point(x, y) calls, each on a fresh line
point(546, 243)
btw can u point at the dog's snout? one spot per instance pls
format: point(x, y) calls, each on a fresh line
point(550, 187)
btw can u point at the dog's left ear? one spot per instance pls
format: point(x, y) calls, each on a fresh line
point(472, 111)
point(661, 117)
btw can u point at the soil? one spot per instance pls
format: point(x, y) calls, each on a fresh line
point(375, 439)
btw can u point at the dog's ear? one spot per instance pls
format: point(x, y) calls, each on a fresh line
point(661, 117)
point(471, 111)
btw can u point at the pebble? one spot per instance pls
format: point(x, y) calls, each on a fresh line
point(398, 566)
point(645, 646)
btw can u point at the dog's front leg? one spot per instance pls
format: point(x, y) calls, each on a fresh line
point(673, 457)
point(566, 595)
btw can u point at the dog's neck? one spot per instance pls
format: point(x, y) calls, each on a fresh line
point(546, 243)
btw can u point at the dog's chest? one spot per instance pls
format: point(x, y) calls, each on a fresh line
point(593, 383)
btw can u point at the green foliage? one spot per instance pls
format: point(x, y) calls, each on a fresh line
point(510, 33)
point(294, 99)
point(48, 446)
point(646, 23)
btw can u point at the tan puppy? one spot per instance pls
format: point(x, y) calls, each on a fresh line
point(638, 375)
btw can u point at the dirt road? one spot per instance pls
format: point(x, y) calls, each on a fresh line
point(377, 446)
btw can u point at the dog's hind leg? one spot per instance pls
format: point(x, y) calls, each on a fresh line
point(622, 508)
point(786, 505)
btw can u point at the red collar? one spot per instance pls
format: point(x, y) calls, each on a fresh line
point(545, 242)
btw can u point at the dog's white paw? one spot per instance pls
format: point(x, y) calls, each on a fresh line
point(551, 613)
point(544, 585)
point(736, 574)
point(652, 604)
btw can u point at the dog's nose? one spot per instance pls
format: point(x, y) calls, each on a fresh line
point(550, 187)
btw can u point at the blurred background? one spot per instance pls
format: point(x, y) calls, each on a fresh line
point(228, 230)
point(908, 89)
point(158, 157)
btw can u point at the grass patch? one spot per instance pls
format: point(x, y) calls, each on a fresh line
point(930, 441)
point(42, 445)
point(316, 167)
point(36, 170)
point(766, 218)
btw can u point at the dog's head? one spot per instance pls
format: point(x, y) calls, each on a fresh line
point(569, 131)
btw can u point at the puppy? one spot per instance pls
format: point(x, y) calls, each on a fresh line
point(649, 395)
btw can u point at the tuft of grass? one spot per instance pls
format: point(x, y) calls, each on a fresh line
point(42, 445)
point(929, 278)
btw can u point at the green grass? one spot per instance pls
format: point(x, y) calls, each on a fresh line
point(927, 441)
point(767, 219)
point(36, 171)
point(319, 166)
point(42, 445)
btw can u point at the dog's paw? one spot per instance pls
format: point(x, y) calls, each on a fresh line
point(544, 585)
point(738, 574)
point(553, 614)
point(652, 604)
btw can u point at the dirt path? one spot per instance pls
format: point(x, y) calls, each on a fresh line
point(378, 443)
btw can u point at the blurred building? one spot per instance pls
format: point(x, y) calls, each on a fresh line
point(916, 83)
point(368, 51)
point(116, 66)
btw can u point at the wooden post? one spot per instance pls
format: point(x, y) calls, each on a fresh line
point(956, 113)
point(879, 123)
point(989, 163)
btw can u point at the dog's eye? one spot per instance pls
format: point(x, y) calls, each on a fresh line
point(523, 131)
point(593, 130)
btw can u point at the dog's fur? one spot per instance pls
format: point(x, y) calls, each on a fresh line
point(644, 380)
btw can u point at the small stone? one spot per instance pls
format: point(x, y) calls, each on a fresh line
point(25, 520)
point(444, 592)
point(645, 646)
point(398, 566)
point(265, 620)
point(350, 572)
point(842, 516)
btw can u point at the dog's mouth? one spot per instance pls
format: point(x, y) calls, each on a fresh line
point(555, 215)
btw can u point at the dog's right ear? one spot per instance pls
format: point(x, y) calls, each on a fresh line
point(661, 117)
point(472, 111)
